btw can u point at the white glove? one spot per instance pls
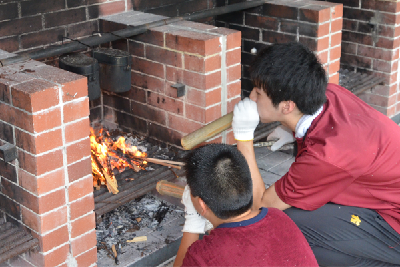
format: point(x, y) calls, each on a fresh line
point(194, 222)
point(245, 119)
point(284, 136)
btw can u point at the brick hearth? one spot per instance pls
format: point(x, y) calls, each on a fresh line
point(44, 112)
point(205, 58)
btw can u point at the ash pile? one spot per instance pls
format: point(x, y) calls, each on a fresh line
point(137, 229)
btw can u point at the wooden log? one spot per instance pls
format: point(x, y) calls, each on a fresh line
point(114, 251)
point(154, 160)
point(136, 168)
point(111, 181)
point(168, 163)
point(170, 189)
point(96, 172)
point(206, 132)
point(137, 239)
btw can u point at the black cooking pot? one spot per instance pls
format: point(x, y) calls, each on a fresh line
point(86, 66)
point(115, 69)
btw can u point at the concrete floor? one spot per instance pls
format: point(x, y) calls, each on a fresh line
point(168, 263)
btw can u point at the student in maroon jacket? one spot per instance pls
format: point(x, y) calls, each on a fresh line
point(220, 190)
point(343, 190)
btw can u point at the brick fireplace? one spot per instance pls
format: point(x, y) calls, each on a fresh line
point(204, 58)
point(358, 35)
point(46, 114)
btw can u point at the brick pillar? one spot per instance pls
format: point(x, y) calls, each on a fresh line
point(371, 45)
point(320, 28)
point(205, 58)
point(316, 24)
point(48, 188)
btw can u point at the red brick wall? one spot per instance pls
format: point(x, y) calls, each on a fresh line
point(173, 8)
point(48, 188)
point(315, 24)
point(370, 45)
point(28, 25)
point(204, 58)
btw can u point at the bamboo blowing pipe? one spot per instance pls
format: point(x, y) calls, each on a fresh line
point(170, 189)
point(206, 132)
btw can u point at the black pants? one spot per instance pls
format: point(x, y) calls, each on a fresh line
point(348, 236)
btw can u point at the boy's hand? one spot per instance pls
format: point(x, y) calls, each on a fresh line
point(194, 222)
point(284, 136)
point(245, 119)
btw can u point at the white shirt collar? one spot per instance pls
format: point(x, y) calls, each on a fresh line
point(305, 123)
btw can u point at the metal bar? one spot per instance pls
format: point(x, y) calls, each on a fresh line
point(5, 226)
point(12, 238)
point(125, 33)
point(18, 250)
point(130, 193)
point(105, 195)
point(359, 89)
point(15, 243)
point(102, 200)
point(362, 82)
point(10, 231)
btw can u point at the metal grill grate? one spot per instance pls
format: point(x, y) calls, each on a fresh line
point(14, 240)
point(358, 82)
point(142, 183)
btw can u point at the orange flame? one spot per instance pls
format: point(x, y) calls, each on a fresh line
point(104, 153)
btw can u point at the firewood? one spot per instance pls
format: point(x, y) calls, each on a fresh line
point(111, 182)
point(136, 168)
point(114, 250)
point(97, 175)
point(96, 183)
point(112, 185)
point(168, 163)
point(115, 254)
point(137, 239)
point(170, 189)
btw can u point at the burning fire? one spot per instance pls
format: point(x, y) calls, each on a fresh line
point(109, 157)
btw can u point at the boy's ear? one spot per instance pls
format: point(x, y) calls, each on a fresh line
point(203, 206)
point(287, 106)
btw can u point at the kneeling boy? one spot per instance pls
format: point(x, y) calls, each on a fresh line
point(220, 190)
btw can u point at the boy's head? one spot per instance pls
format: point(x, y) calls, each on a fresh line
point(220, 176)
point(290, 71)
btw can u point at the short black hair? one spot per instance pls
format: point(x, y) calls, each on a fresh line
point(220, 176)
point(290, 71)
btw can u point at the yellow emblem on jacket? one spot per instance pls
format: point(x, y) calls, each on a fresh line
point(355, 219)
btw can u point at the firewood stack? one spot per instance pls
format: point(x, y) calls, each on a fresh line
point(110, 157)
